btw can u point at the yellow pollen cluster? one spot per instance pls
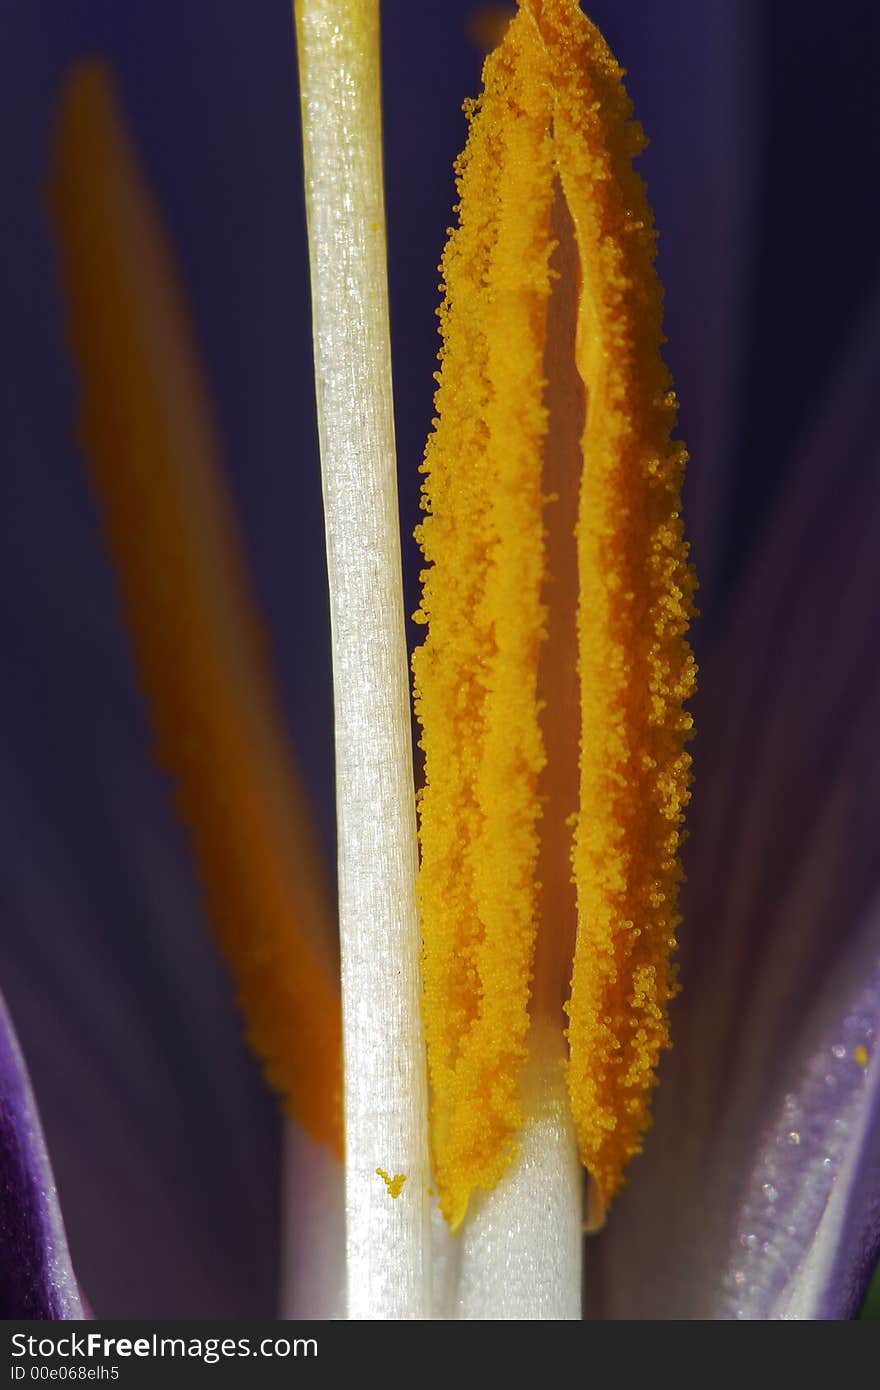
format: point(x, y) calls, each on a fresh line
point(146, 429)
point(554, 121)
point(395, 1184)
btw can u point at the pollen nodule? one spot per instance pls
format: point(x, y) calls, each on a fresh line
point(395, 1184)
point(553, 120)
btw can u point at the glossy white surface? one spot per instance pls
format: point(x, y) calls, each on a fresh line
point(385, 1085)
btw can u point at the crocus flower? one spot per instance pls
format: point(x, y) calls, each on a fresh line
point(757, 1192)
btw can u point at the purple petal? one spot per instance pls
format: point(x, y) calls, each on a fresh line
point(164, 1140)
point(163, 1137)
point(782, 932)
point(809, 1212)
point(36, 1276)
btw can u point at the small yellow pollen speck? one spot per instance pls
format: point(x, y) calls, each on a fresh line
point(860, 1055)
point(395, 1184)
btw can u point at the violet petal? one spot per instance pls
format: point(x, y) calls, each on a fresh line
point(36, 1276)
point(782, 932)
point(164, 1139)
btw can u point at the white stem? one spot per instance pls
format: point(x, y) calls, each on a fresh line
point(385, 1085)
point(313, 1268)
point(521, 1244)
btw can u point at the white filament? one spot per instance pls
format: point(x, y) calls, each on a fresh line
point(520, 1249)
point(387, 1239)
point(313, 1250)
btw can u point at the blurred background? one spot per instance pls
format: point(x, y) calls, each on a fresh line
point(764, 125)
